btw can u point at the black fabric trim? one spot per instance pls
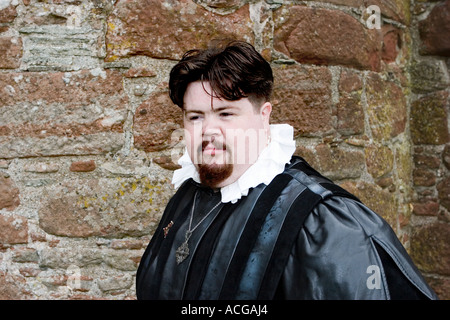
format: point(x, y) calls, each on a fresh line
point(300, 164)
point(400, 288)
point(250, 235)
point(201, 259)
point(339, 191)
point(158, 241)
point(293, 223)
point(177, 199)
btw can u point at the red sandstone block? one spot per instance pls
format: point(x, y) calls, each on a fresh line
point(435, 31)
point(83, 166)
point(10, 52)
point(14, 229)
point(323, 36)
point(167, 29)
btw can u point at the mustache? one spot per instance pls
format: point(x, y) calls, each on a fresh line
point(217, 145)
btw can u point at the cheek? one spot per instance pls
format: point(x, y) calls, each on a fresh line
point(246, 140)
point(193, 137)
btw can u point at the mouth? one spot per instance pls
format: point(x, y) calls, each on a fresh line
point(211, 148)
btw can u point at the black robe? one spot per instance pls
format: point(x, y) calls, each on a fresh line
point(300, 237)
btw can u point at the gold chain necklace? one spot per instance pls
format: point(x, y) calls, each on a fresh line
point(183, 250)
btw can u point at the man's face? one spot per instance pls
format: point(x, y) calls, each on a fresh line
point(224, 138)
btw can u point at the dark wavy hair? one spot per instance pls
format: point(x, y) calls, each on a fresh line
point(234, 71)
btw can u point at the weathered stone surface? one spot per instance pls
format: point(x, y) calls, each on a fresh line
point(446, 156)
point(349, 111)
point(11, 52)
point(323, 36)
point(41, 167)
point(377, 199)
point(154, 122)
point(128, 244)
point(61, 48)
point(9, 194)
point(123, 260)
point(8, 13)
point(424, 177)
point(426, 208)
point(166, 162)
point(95, 143)
point(440, 285)
point(82, 166)
point(11, 287)
point(397, 10)
point(14, 229)
point(430, 248)
point(427, 161)
point(435, 31)
point(166, 29)
point(302, 98)
point(61, 113)
point(349, 81)
point(139, 72)
point(379, 160)
point(76, 88)
point(429, 119)
point(428, 75)
point(65, 257)
point(222, 3)
point(25, 255)
point(338, 162)
point(105, 207)
point(115, 284)
point(386, 107)
point(47, 19)
point(403, 164)
point(394, 9)
point(392, 44)
point(443, 189)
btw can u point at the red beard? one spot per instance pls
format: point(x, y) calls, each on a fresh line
point(213, 175)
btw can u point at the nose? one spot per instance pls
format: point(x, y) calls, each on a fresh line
point(210, 128)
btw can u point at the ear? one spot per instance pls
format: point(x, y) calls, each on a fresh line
point(266, 110)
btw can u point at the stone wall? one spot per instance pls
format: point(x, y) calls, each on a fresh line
point(429, 130)
point(87, 130)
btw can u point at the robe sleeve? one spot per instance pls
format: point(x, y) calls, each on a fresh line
point(346, 251)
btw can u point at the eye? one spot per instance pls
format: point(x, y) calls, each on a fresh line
point(194, 117)
point(226, 114)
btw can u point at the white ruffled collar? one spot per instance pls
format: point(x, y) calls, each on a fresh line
point(269, 164)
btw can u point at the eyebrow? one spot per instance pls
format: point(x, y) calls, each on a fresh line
point(215, 109)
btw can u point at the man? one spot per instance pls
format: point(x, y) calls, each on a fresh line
point(250, 220)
